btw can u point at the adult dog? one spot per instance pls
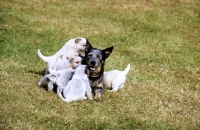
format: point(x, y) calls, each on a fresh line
point(95, 60)
point(68, 51)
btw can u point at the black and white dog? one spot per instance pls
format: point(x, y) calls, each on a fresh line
point(95, 60)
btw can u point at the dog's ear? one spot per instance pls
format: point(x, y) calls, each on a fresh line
point(107, 52)
point(88, 46)
point(77, 40)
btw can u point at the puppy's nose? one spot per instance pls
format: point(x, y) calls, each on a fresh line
point(92, 62)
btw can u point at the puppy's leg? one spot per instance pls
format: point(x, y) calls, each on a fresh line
point(50, 86)
point(89, 95)
point(59, 91)
point(84, 98)
point(120, 87)
point(71, 100)
point(67, 100)
point(88, 91)
point(46, 71)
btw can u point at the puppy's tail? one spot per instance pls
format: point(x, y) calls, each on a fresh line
point(127, 69)
point(44, 58)
point(61, 96)
point(64, 99)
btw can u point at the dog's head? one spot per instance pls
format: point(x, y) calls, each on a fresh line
point(95, 59)
point(80, 43)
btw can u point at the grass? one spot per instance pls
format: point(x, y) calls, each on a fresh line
point(160, 39)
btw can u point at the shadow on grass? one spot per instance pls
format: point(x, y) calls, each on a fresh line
point(42, 72)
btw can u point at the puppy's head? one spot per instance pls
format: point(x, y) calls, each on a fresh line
point(80, 43)
point(52, 78)
point(75, 62)
point(80, 69)
point(95, 58)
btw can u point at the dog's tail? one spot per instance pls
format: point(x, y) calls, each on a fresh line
point(44, 58)
point(127, 69)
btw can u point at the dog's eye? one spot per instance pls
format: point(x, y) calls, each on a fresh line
point(77, 62)
point(99, 56)
point(89, 55)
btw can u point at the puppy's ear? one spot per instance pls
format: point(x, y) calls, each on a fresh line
point(71, 60)
point(77, 40)
point(107, 52)
point(88, 46)
point(48, 78)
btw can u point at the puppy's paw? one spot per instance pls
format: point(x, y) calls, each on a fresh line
point(90, 98)
point(84, 98)
point(50, 87)
point(112, 90)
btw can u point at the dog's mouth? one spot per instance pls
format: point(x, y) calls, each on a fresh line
point(92, 68)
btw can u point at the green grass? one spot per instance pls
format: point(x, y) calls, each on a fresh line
point(160, 39)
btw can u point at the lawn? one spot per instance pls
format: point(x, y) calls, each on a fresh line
point(160, 39)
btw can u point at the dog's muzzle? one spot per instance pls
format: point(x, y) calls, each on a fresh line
point(92, 65)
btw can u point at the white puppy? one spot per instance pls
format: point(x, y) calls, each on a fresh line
point(48, 81)
point(71, 63)
point(77, 87)
point(68, 51)
point(62, 78)
point(115, 79)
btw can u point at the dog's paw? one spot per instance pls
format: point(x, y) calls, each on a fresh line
point(97, 96)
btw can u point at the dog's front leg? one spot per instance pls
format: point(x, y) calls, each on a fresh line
point(98, 91)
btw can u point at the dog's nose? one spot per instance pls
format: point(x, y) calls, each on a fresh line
point(92, 62)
